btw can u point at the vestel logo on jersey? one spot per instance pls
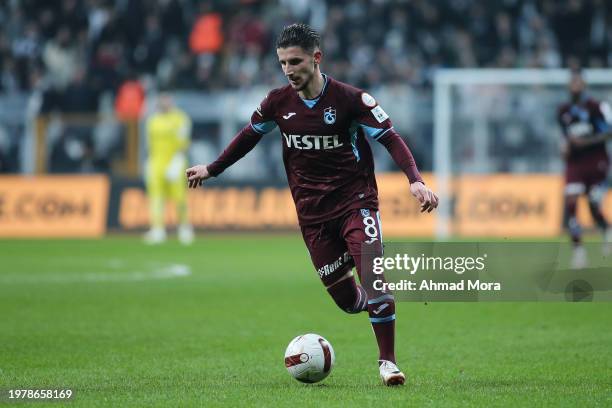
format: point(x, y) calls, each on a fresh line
point(312, 142)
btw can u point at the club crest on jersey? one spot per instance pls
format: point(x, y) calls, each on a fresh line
point(329, 116)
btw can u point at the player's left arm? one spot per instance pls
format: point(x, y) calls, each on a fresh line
point(402, 156)
point(377, 126)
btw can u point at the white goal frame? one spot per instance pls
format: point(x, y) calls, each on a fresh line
point(445, 79)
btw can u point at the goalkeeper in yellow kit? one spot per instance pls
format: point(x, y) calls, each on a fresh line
point(168, 138)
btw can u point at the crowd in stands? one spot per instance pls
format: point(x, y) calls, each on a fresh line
point(73, 50)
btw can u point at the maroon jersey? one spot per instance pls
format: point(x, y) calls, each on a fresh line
point(329, 163)
point(584, 119)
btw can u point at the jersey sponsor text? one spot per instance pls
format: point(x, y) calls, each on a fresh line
point(309, 142)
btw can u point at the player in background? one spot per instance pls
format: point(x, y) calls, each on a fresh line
point(585, 126)
point(326, 127)
point(168, 138)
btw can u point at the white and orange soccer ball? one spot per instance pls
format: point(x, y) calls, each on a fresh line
point(309, 358)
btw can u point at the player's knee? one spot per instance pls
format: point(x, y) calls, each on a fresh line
point(595, 201)
point(348, 296)
point(359, 304)
point(346, 303)
point(596, 197)
point(594, 207)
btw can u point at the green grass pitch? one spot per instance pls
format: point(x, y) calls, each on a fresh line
point(124, 324)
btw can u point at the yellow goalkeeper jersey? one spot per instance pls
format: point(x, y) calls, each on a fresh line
point(167, 134)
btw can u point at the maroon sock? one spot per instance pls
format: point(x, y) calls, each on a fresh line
point(349, 296)
point(382, 317)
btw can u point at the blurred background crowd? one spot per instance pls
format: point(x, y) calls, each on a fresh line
point(76, 49)
point(104, 58)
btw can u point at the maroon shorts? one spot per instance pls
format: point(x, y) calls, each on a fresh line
point(336, 245)
point(581, 176)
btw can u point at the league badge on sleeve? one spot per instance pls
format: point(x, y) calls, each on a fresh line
point(368, 100)
point(329, 115)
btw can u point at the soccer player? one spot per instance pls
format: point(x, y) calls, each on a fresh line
point(168, 137)
point(584, 124)
point(325, 126)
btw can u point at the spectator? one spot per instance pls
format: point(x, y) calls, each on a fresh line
point(61, 57)
point(149, 49)
point(80, 96)
point(367, 42)
point(207, 36)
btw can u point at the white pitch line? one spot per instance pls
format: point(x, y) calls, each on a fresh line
point(160, 272)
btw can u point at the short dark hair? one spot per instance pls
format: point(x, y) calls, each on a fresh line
point(298, 35)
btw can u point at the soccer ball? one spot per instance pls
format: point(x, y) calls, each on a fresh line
point(309, 358)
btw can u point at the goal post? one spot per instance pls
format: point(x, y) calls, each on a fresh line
point(465, 100)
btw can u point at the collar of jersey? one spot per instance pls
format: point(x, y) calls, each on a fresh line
point(583, 99)
point(312, 102)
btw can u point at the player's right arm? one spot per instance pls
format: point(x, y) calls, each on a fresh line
point(261, 123)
